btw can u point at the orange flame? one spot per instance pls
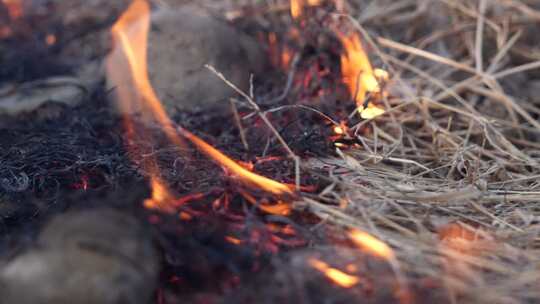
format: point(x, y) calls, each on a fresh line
point(240, 172)
point(130, 34)
point(127, 69)
point(359, 76)
point(161, 196)
point(371, 244)
point(297, 6)
point(335, 275)
point(280, 208)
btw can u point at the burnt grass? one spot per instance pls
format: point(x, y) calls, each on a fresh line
point(60, 158)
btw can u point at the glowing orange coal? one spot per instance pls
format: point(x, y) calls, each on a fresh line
point(359, 76)
point(127, 69)
point(335, 275)
point(371, 244)
point(14, 8)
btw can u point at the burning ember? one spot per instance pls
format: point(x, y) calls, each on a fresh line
point(335, 275)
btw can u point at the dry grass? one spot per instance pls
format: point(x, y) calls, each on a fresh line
point(449, 176)
point(457, 148)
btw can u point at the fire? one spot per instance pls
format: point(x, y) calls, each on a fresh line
point(297, 6)
point(127, 68)
point(239, 171)
point(371, 244)
point(280, 208)
point(233, 240)
point(335, 275)
point(359, 76)
point(161, 196)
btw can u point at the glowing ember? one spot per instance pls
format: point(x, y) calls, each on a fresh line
point(335, 275)
point(359, 76)
point(371, 244)
point(127, 68)
point(233, 240)
point(14, 8)
point(50, 39)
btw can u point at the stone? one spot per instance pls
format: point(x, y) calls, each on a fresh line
point(182, 41)
point(90, 257)
point(27, 97)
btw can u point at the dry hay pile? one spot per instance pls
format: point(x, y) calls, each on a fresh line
point(449, 175)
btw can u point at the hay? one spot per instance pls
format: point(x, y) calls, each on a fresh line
point(449, 175)
point(458, 147)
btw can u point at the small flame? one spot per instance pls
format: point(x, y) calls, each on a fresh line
point(359, 76)
point(297, 6)
point(280, 208)
point(240, 172)
point(371, 244)
point(161, 196)
point(127, 69)
point(335, 275)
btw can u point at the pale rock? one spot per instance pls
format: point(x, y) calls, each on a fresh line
point(92, 257)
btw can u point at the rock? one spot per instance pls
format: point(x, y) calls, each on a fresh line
point(91, 257)
point(27, 97)
point(182, 41)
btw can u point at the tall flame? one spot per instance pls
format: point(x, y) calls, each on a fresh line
point(130, 34)
point(127, 69)
point(359, 76)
